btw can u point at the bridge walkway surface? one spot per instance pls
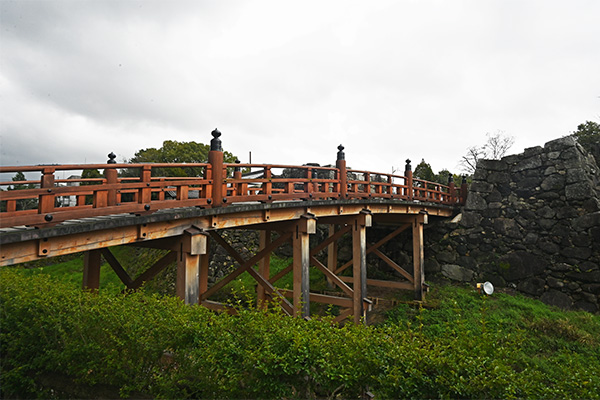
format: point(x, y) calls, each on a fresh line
point(149, 208)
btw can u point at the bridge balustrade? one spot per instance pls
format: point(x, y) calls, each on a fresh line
point(147, 188)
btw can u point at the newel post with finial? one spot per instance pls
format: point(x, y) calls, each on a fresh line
point(451, 189)
point(340, 164)
point(111, 176)
point(215, 159)
point(463, 190)
point(409, 180)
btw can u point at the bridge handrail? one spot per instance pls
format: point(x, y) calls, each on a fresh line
point(52, 200)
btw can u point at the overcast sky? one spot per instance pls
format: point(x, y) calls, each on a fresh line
point(290, 81)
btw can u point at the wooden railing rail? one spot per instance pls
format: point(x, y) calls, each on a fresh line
point(133, 188)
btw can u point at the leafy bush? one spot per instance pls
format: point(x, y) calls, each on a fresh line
point(58, 341)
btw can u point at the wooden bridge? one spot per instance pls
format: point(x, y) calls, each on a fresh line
point(53, 217)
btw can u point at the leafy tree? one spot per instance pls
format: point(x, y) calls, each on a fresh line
point(588, 135)
point(442, 177)
point(90, 174)
point(423, 171)
point(176, 152)
point(494, 149)
point(23, 204)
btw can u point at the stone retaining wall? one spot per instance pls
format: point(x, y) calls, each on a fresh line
point(532, 222)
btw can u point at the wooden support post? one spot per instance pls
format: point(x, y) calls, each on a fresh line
point(332, 251)
point(92, 260)
point(418, 255)
point(188, 277)
point(192, 246)
point(215, 159)
point(359, 263)
point(301, 249)
point(263, 267)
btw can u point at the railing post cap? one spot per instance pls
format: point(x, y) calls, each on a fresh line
point(111, 158)
point(215, 143)
point(340, 154)
point(408, 167)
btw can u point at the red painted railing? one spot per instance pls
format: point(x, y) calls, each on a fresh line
point(52, 200)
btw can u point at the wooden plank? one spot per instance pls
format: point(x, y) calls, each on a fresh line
point(375, 246)
point(322, 298)
point(390, 284)
point(272, 291)
point(244, 267)
point(332, 250)
point(344, 315)
point(333, 277)
point(282, 273)
point(220, 307)
point(381, 283)
point(116, 266)
point(154, 270)
point(395, 266)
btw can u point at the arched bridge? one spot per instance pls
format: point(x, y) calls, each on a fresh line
point(143, 205)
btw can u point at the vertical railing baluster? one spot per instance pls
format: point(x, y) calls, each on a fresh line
point(237, 175)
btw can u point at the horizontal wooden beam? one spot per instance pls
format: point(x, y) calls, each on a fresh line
point(322, 298)
point(380, 283)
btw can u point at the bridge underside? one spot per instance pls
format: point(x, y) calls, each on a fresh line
point(186, 232)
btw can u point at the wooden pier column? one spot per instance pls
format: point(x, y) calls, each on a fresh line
point(301, 251)
point(418, 255)
point(92, 260)
point(332, 250)
point(193, 247)
point(188, 277)
point(263, 267)
point(359, 263)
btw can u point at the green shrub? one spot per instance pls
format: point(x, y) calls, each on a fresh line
point(60, 342)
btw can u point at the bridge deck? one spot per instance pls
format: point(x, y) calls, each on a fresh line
point(22, 244)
